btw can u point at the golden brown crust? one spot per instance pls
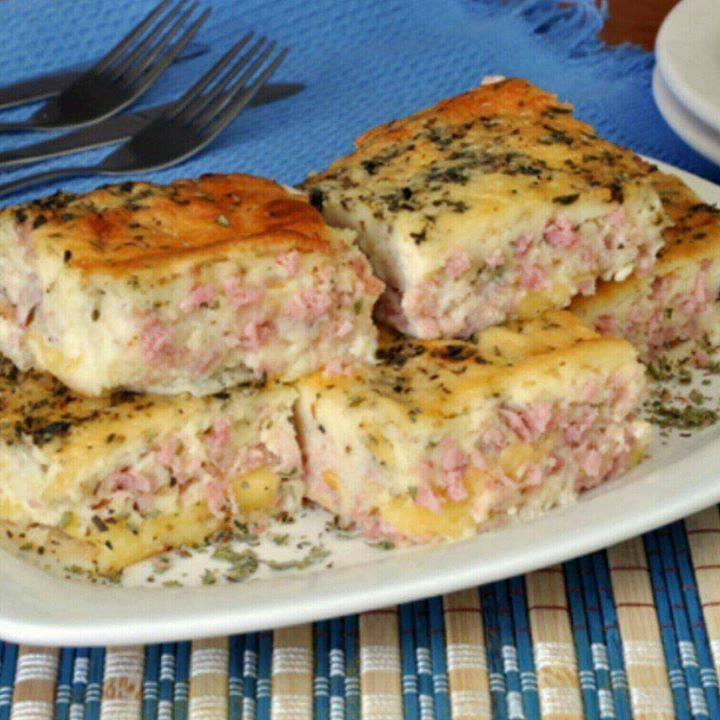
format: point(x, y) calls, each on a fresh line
point(134, 225)
point(446, 377)
point(509, 128)
point(693, 237)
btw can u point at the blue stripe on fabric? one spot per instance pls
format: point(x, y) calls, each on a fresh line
point(352, 668)
point(321, 670)
point(608, 700)
point(337, 669)
point(166, 689)
point(496, 673)
point(151, 683)
point(93, 691)
point(264, 670)
point(63, 684)
point(7, 679)
point(685, 643)
point(708, 674)
point(81, 667)
point(182, 680)
point(236, 649)
point(595, 571)
point(523, 642)
point(250, 660)
point(676, 676)
point(583, 653)
point(423, 662)
point(511, 667)
point(408, 663)
point(438, 651)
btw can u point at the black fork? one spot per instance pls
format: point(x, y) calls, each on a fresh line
point(190, 124)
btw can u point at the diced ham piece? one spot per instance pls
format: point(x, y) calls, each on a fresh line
point(219, 437)
point(216, 497)
point(155, 341)
point(587, 287)
point(342, 329)
point(428, 499)
point(167, 452)
point(289, 263)
point(533, 277)
point(310, 303)
point(495, 259)
point(201, 295)
point(458, 263)
point(522, 245)
point(528, 423)
point(606, 325)
point(339, 367)
point(258, 456)
point(560, 234)
point(241, 295)
point(257, 333)
point(591, 463)
point(533, 475)
point(131, 481)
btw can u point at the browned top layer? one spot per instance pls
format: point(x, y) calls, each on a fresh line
point(508, 137)
point(136, 225)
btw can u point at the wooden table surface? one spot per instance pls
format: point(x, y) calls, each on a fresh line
point(636, 21)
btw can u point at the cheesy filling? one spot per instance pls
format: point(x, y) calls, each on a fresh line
point(523, 460)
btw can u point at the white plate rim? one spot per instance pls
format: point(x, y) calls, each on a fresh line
point(677, 21)
point(692, 130)
point(39, 609)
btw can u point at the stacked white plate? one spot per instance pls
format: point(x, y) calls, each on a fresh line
point(686, 80)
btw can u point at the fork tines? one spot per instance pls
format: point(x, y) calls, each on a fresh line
point(149, 57)
point(209, 112)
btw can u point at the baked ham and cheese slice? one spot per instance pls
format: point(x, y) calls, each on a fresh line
point(444, 438)
point(679, 302)
point(195, 286)
point(128, 475)
point(493, 205)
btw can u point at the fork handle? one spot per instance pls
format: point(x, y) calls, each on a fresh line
point(40, 177)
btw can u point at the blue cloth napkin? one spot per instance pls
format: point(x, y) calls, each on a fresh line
point(363, 62)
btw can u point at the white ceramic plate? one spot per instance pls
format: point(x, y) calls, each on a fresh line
point(681, 477)
point(687, 51)
point(691, 129)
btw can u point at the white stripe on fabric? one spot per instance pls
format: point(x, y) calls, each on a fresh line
point(698, 704)
point(205, 707)
point(422, 658)
point(337, 663)
point(209, 661)
point(509, 657)
point(374, 658)
point(36, 666)
point(337, 708)
point(250, 663)
point(549, 654)
point(470, 702)
point(31, 710)
point(427, 707)
point(380, 706)
point(165, 710)
point(606, 703)
point(653, 701)
point(291, 707)
point(559, 701)
point(123, 664)
point(643, 652)
point(466, 656)
point(688, 658)
point(515, 705)
point(292, 660)
point(599, 656)
point(119, 709)
point(167, 667)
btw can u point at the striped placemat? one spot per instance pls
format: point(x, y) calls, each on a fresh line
point(631, 632)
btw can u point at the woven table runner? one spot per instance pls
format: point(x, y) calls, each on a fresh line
point(631, 632)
